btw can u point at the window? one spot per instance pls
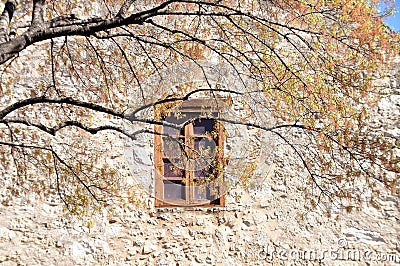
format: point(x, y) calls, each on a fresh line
point(188, 155)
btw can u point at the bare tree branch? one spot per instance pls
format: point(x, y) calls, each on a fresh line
point(37, 13)
point(66, 100)
point(309, 67)
point(72, 123)
point(5, 19)
point(124, 8)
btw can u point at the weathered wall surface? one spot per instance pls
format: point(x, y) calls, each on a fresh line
point(256, 229)
point(265, 226)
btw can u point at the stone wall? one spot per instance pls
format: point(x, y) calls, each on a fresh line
point(266, 225)
point(271, 227)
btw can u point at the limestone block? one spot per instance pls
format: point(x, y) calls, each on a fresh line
point(147, 249)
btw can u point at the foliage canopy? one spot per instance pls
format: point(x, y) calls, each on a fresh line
point(317, 64)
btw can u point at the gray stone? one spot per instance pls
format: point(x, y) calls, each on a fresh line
point(175, 231)
point(164, 216)
point(199, 221)
point(248, 221)
point(147, 249)
point(141, 155)
point(7, 234)
point(367, 237)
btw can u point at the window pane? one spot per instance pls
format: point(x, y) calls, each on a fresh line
point(171, 131)
point(174, 190)
point(173, 147)
point(203, 154)
point(203, 126)
point(170, 170)
point(205, 146)
point(205, 193)
point(203, 173)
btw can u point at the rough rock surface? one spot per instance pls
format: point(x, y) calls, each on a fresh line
point(267, 225)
